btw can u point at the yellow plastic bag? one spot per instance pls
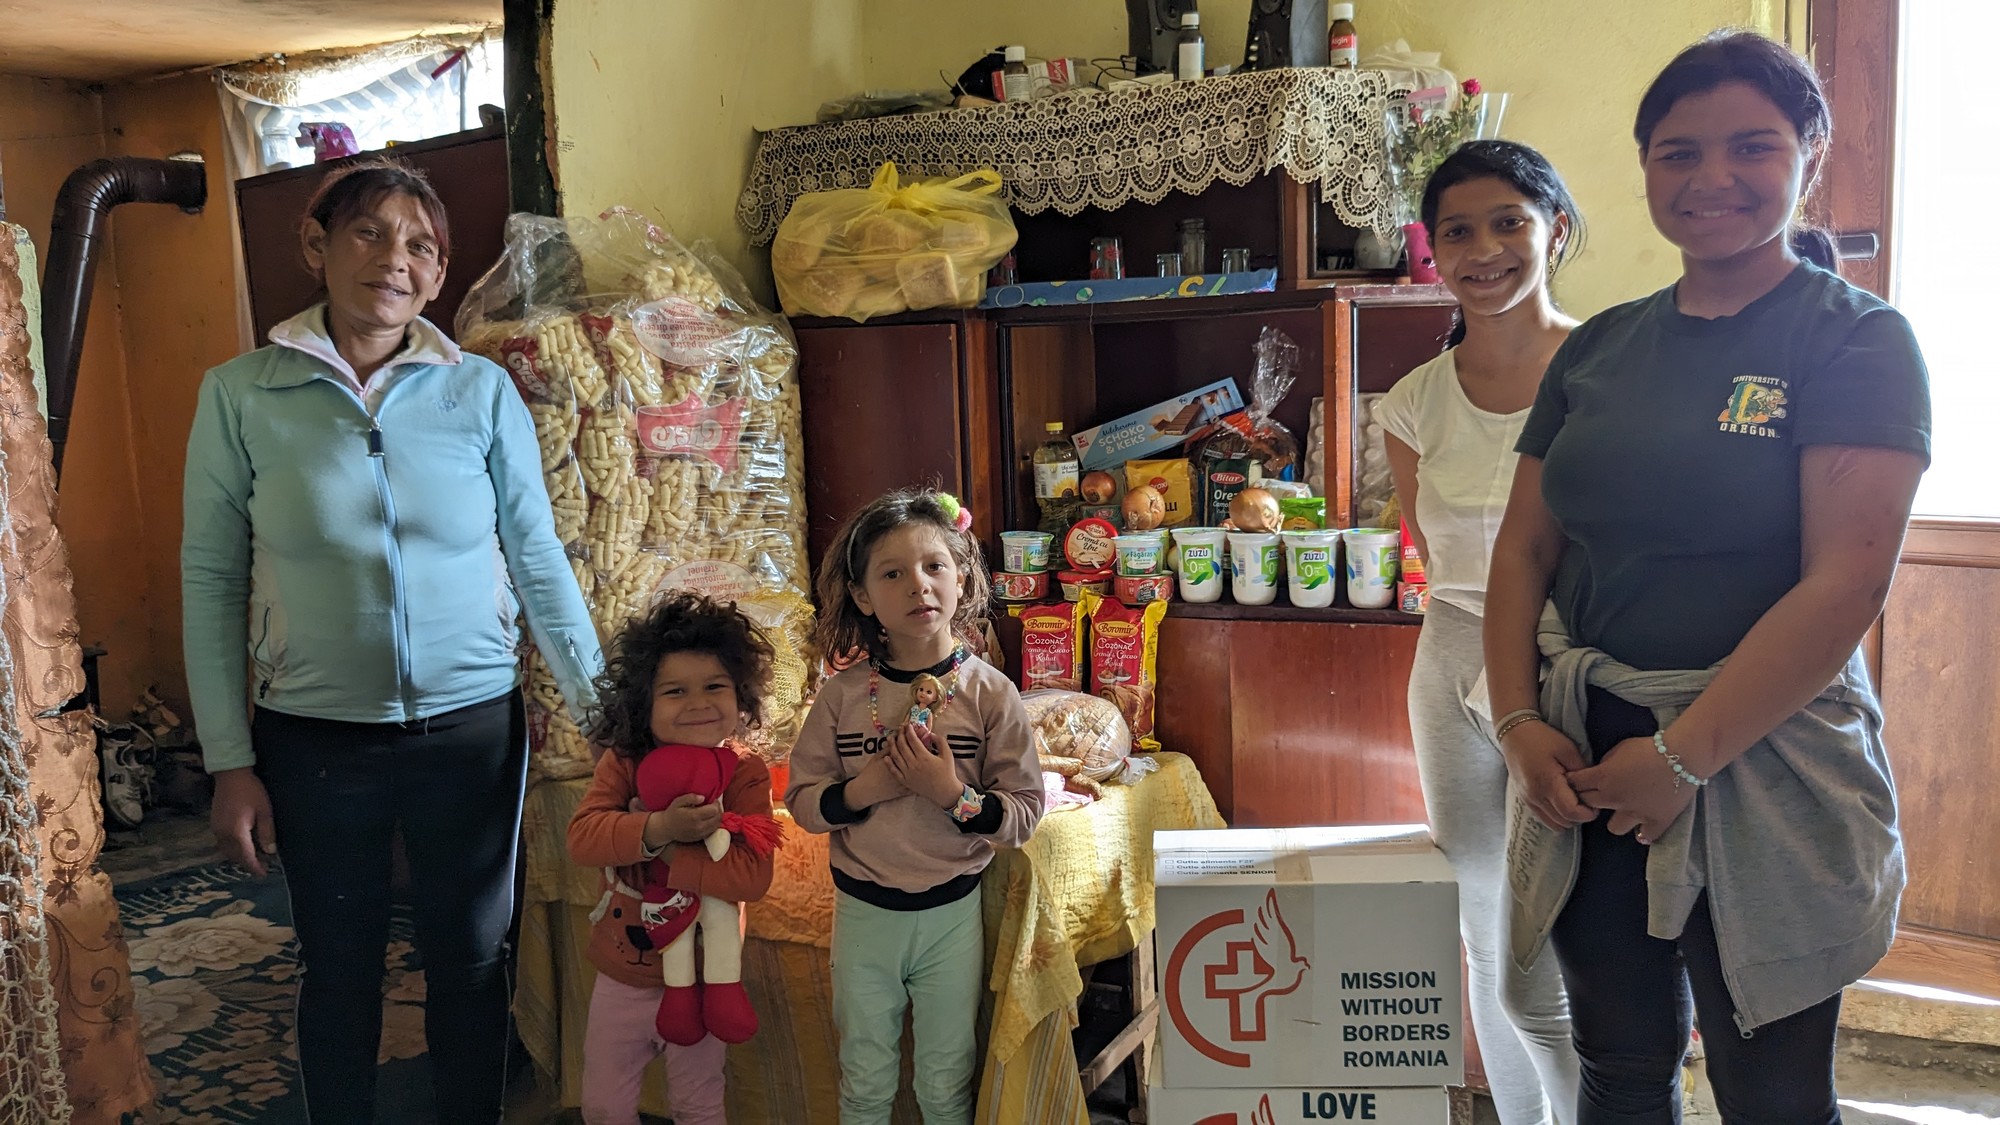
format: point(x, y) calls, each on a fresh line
point(891, 246)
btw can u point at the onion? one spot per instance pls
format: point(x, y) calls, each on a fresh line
point(1099, 487)
point(1146, 509)
point(1254, 509)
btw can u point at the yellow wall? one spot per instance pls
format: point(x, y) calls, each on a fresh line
point(656, 103)
point(1575, 72)
point(1574, 93)
point(910, 41)
point(177, 283)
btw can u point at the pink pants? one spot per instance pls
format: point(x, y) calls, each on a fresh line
point(619, 1043)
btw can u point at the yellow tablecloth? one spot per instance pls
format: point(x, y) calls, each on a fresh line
point(1080, 892)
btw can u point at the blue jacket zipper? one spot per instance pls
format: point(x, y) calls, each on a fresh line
point(395, 556)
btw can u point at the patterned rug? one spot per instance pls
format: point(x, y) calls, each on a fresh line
point(214, 963)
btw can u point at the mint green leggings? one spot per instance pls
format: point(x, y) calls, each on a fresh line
point(926, 962)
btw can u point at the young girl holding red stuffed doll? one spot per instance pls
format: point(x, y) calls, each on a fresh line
point(682, 825)
point(915, 801)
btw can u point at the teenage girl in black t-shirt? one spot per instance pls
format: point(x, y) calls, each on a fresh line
point(1646, 484)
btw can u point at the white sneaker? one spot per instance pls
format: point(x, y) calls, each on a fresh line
point(128, 779)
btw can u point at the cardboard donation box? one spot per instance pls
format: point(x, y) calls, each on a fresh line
point(1307, 958)
point(1167, 1104)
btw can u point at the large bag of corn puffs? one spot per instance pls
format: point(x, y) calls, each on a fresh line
point(666, 405)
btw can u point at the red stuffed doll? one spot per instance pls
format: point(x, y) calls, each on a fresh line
point(718, 1005)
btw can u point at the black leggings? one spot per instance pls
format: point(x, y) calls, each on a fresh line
point(339, 791)
point(1630, 994)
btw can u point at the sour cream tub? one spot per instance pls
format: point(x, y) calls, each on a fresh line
point(1140, 553)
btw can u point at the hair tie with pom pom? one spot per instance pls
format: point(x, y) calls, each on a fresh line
point(961, 516)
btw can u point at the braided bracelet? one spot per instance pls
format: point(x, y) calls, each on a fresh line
point(1681, 773)
point(1514, 719)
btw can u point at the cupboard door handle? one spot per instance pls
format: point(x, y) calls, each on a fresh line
point(1857, 246)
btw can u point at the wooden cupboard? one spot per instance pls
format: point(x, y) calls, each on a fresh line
point(893, 404)
point(1295, 716)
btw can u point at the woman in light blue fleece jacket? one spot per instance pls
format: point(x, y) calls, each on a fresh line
point(364, 521)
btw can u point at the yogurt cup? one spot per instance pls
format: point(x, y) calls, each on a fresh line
point(1374, 561)
point(1139, 553)
point(1253, 567)
point(1199, 560)
point(1310, 562)
point(1025, 552)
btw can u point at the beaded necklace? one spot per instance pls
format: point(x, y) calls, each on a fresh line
point(950, 679)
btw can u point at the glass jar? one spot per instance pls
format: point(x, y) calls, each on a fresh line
point(1194, 246)
point(1168, 265)
point(1005, 272)
point(1236, 259)
point(1107, 260)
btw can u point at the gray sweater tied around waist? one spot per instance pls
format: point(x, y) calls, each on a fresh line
point(1795, 841)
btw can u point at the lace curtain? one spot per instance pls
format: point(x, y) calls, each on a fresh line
point(406, 91)
point(70, 1046)
point(1089, 148)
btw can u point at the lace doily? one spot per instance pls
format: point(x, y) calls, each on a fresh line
point(1096, 149)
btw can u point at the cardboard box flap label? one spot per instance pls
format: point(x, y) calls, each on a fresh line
point(1390, 1106)
point(1171, 1104)
point(1374, 854)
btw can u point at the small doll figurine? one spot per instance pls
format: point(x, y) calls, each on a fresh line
point(925, 691)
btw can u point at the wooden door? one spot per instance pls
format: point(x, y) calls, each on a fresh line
point(1940, 672)
point(882, 411)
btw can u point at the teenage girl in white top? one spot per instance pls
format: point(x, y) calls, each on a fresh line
point(1501, 222)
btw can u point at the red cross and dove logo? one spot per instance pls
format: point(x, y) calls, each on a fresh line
point(1252, 968)
point(1261, 1117)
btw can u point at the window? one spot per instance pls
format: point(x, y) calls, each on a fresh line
point(407, 91)
point(1938, 274)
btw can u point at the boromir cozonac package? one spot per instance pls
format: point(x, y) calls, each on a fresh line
point(1296, 957)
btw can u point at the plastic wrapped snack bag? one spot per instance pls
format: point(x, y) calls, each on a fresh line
point(666, 405)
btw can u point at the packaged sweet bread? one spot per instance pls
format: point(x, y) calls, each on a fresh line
point(1052, 653)
point(666, 405)
point(1124, 655)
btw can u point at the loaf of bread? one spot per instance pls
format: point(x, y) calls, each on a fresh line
point(928, 281)
point(829, 287)
point(1084, 727)
point(799, 246)
point(963, 236)
point(889, 232)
